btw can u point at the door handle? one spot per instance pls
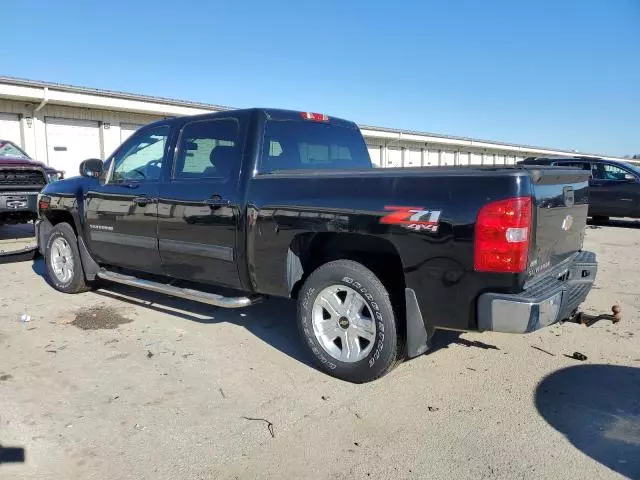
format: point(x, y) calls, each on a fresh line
point(217, 201)
point(142, 200)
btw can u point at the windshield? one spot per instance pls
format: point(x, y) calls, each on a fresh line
point(633, 167)
point(10, 149)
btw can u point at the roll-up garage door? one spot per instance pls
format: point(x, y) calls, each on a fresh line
point(69, 142)
point(448, 159)
point(394, 157)
point(433, 158)
point(413, 158)
point(10, 128)
point(127, 129)
point(374, 154)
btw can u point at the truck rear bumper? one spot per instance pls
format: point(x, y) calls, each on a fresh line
point(15, 204)
point(552, 299)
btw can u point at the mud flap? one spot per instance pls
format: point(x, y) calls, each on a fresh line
point(89, 265)
point(417, 335)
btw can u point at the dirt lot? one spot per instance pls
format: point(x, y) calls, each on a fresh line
point(125, 384)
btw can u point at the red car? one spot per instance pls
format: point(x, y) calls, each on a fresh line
point(21, 179)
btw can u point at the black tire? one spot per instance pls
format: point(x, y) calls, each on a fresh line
point(387, 349)
point(77, 282)
point(599, 219)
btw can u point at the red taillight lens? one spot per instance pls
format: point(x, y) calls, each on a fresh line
point(503, 230)
point(314, 117)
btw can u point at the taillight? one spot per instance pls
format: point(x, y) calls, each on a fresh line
point(43, 202)
point(503, 231)
point(314, 117)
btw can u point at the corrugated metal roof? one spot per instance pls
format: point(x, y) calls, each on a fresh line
point(464, 139)
point(209, 106)
point(110, 93)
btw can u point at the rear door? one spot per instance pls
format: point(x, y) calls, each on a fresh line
point(121, 213)
point(613, 194)
point(200, 204)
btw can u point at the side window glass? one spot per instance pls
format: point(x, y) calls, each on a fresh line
point(142, 156)
point(208, 149)
point(609, 172)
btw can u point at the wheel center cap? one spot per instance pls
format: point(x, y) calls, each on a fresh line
point(343, 322)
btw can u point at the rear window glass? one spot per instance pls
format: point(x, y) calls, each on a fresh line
point(292, 145)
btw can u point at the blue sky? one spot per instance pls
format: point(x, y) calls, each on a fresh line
point(550, 73)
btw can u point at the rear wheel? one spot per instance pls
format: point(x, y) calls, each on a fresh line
point(63, 260)
point(346, 319)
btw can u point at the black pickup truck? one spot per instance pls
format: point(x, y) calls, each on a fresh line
point(288, 204)
point(614, 186)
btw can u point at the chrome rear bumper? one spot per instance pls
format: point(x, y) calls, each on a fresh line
point(549, 300)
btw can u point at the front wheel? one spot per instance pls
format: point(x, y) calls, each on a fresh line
point(346, 319)
point(63, 260)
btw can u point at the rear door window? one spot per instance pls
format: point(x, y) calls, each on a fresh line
point(294, 145)
point(208, 149)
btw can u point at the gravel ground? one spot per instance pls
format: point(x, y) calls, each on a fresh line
point(120, 384)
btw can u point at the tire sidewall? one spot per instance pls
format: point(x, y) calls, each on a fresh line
point(76, 279)
point(383, 353)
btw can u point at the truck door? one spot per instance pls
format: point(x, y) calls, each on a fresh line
point(121, 212)
point(613, 194)
point(200, 205)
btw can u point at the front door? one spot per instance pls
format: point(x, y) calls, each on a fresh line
point(199, 205)
point(611, 194)
point(122, 211)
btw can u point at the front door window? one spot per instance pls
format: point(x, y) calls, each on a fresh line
point(140, 158)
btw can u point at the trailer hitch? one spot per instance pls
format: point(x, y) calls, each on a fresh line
point(588, 320)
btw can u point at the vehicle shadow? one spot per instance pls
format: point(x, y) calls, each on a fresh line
point(444, 338)
point(17, 243)
point(616, 222)
point(597, 408)
point(273, 320)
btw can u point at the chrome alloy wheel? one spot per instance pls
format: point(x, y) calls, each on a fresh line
point(343, 323)
point(61, 260)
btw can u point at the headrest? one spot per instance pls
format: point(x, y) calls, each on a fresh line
point(224, 158)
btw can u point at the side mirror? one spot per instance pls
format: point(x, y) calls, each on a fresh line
point(91, 168)
point(629, 177)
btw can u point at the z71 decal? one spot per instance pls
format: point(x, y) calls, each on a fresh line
point(413, 218)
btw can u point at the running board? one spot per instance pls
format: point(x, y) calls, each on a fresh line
point(187, 293)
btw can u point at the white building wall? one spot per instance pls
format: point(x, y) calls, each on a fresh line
point(118, 116)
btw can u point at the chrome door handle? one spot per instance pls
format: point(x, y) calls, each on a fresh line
point(217, 202)
point(143, 200)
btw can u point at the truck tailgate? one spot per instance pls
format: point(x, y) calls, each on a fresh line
point(561, 198)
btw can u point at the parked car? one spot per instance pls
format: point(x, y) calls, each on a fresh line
point(614, 186)
point(21, 178)
point(288, 204)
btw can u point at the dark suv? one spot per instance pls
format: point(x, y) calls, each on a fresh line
point(614, 186)
point(21, 179)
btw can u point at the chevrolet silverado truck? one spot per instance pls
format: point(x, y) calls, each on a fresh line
point(21, 179)
point(275, 203)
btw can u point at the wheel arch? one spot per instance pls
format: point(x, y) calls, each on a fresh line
point(307, 251)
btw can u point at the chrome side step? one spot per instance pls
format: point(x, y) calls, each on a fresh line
point(187, 293)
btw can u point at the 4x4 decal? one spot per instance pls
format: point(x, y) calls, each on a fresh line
point(413, 218)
